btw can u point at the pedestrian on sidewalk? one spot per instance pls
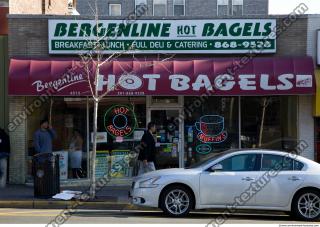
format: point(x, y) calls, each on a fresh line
point(4, 154)
point(75, 154)
point(43, 137)
point(147, 153)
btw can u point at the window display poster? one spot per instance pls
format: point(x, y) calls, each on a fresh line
point(63, 164)
point(102, 163)
point(119, 164)
point(102, 137)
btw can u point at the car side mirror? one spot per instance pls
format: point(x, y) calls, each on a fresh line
point(216, 167)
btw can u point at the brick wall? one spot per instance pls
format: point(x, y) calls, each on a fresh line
point(28, 37)
point(39, 7)
point(255, 7)
point(17, 168)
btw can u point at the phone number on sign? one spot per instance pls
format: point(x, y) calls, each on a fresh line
point(243, 44)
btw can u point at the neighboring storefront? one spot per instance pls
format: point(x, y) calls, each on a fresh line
point(4, 69)
point(317, 103)
point(313, 49)
point(200, 104)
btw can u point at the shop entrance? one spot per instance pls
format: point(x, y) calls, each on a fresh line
point(169, 136)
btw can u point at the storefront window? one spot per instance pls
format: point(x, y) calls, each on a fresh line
point(68, 118)
point(269, 122)
point(211, 126)
point(165, 99)
point(121, 124)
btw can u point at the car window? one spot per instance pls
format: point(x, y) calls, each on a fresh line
point(276, 162)
point(298, 165)
point(243, 162)
point(209, 159)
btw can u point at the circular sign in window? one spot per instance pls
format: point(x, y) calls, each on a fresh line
point(120, 121)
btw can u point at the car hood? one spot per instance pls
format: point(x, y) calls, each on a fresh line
point(165, 172)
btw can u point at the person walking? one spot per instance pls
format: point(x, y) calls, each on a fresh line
point(147, 154)
point(43, 137)
point(4, 154)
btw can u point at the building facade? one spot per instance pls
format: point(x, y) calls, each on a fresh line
point(266, 102)
point(202, 8)
point(4, 65)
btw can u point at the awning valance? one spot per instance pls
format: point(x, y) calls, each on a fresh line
point(212, 76)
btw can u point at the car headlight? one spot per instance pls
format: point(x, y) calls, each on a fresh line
point(149, 183)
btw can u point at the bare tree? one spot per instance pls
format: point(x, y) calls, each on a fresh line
point(91, 62)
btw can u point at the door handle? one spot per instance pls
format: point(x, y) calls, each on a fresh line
point(248, 178)
point(294, 178)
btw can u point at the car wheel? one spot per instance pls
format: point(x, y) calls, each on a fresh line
point(306, 205)
point(176, 201)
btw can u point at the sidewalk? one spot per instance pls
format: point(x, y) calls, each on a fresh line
point(21, 196)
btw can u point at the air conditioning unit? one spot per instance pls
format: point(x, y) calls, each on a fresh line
point(72, 7)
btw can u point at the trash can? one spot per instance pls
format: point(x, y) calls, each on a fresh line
point(46, 175)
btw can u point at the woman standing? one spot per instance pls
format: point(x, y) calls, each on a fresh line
point(75, 154)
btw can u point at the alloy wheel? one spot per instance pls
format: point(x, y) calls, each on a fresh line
point(177, 201)
point(309, 205)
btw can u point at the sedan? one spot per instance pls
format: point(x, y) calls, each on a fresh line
point(237, 179)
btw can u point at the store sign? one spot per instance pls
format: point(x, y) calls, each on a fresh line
point(140, 77)
point(211, 129)
point(163, 36)
point(120, 121)
point(203, 149)
point(222, 83)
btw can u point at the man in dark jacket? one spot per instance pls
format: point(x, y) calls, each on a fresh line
point(147, 154)
point(4, 154)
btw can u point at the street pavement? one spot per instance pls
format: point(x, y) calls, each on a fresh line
point(34, 216)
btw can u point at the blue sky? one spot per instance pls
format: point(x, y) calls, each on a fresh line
point(287, 6)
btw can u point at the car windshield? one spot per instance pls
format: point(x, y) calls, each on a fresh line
point(209, 159)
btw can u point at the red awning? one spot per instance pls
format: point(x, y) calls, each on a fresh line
point(214, 76)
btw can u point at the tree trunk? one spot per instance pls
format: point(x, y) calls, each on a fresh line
point(262, 121)
point(94, 151)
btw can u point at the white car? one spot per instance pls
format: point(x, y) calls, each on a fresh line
point(239, 179)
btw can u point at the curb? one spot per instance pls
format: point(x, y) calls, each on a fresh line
point(101, 205)
point(44, 204)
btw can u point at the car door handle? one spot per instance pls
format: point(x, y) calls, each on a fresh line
point(294, 178)
point(248, 178)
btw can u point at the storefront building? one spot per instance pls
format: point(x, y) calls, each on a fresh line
point(206, 97)
point(314, 40)
point(4, 63)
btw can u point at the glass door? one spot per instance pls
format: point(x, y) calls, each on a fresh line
point(168, 137)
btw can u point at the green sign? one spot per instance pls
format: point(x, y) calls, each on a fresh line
point(163, 36)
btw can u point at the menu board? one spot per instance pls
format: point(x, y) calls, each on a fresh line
point(102, 163)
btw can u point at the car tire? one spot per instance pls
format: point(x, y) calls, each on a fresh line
point(176, 201)
point(306, 205)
